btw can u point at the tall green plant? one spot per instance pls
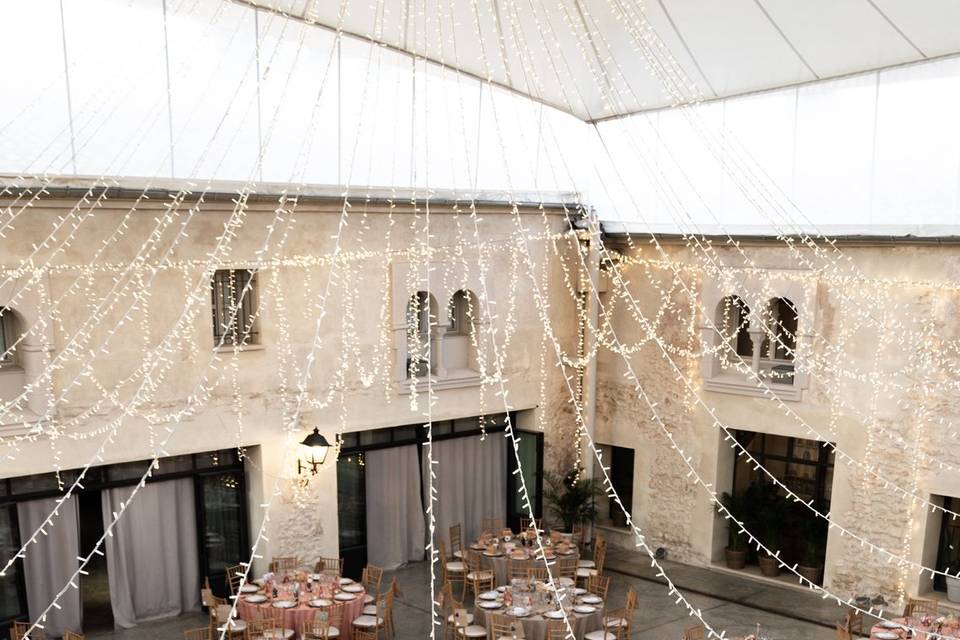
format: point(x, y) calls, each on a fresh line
point(570, 498)
point(738, 507)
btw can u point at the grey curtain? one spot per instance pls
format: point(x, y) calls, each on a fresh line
point(395, 519)
point(471, 483)
point(152, 557)
point(51, 563)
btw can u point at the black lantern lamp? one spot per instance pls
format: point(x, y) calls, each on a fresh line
point(315, 448)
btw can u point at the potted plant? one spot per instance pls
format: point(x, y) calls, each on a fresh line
point(813, 534)
point(570, 498)
point(771, 514)
point(736, 551)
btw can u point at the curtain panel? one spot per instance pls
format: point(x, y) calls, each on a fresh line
point(152, 557)
point(395, 519)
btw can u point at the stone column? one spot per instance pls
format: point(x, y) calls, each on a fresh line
point(437, 366)
point(33, 359)
point(756, 337)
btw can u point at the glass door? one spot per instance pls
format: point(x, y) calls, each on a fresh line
point(352, 513)
point(531, 465)
point(222, 523)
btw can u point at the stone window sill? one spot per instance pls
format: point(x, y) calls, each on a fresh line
point(228, 348)
point(743, 386)
point(455, 379)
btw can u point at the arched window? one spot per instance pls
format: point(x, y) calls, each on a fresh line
point(9, 332)
point(459, 342)
point(782, 326)
point(463, 309)
point(421, 318)
point(734, 321)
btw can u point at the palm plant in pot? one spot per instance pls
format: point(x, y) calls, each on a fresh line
point(814, 532)
point(771, 514)
point(570, 498)
point(739, 508)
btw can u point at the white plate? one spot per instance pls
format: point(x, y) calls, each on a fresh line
point(890, 624)
point(352, 588)
point(554, 615)
point(489, 595)
point(344, 597)
point(256, 599)
point(346, 580)
point(249, 588)
point(495, 554)
point(502, 588)
point(886, 635)
point(315, 576)
point(519, 612)
point(284, 604)
point(567, 553)
point(584, 608)
point(591, 599)
point(320, 602)
point(489, 604)
point(579, 592)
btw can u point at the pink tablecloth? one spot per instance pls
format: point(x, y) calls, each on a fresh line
point(921, 631)
point(296, 616)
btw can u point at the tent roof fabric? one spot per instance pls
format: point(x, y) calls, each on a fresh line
point(583, 57)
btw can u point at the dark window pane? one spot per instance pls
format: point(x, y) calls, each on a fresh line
point(223, 458)
point(33, 484)
point(377, 436)
point(10, 604)
point(351, 494)
point(442, 428)
point(223, 517)
point(465, 424)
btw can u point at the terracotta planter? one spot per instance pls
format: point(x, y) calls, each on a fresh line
point(736, 558)
point(810, 573)
point(769, 566)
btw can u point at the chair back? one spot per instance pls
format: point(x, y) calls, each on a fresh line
point(516, 569)
point(499, 626)
point(329, 565)
point(598, 585)
point(853, 621)
point(284, 563)
point(566, 567)
point(235, 575)
point(842, 632)
point(189, 634)
point(492, 525)
point(920, 606)
point(364, 634)
point(222, 616)
point(556, 630)
point(19, 631)
point(599, 555)
point(372, 578)
point(527, 523)
point(70, 635)
point(456, 538)
point(473, 561)
point(698, 632)
point(538, 573)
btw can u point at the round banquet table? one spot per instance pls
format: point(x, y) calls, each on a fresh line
point(535, 626)
point(296, 616)
point(951, 629)
point(498, 563)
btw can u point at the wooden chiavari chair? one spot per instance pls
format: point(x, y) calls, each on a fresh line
point(853, 621)
point(456, 541)
point(361, 634)
point(234, 576)
point(698, 632)
point(500, 627)
point(325, 624)
point(477, 578)
point(71, 635)
point(371, 580)
point(332, 566)
point(576, 536)
point(842, 632)
point(598, 544)
point(452, 570)
point(284, 563)
point(606, 633)
point(622, 619)
point(556, 630)
point(492, 525)
point(598, 586)
point(516, 569)
point(382, 620)
point(189, 634)
point(19, 631)
point(538, 573)
point(566, 570)
point(527, 523)
point(919, 607)
point(269, 626)
point(220, 616)
point(599, 556)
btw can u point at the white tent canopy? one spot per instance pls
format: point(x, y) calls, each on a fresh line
point(726, 48)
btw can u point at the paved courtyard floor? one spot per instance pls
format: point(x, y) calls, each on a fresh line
point(783, 613)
